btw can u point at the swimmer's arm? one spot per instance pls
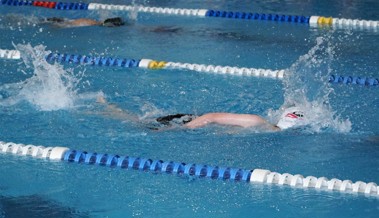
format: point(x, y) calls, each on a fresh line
point(115, 112)
point(241, 120)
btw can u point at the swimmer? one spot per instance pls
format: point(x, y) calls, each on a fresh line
point(110, 22)
point(291, 117)
point(62, 22)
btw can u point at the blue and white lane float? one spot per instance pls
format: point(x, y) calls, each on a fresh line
point(148, 64)
point(356, 80)
point(10, 54)
point(182, 169)
point(311, 20)
point(152, 64)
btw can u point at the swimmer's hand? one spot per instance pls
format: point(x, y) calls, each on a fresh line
point(115, 112)
point(101, 99)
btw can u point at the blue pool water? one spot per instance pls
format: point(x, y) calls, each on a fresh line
point(54, 105)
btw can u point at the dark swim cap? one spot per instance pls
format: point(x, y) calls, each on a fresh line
point(55, 19)
point(113, 22)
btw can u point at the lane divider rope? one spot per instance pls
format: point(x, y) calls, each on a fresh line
point(91, 60)
point(10, 54)
point(311, 20)
point(153, 64)
point(196, 170)
point(354, 80)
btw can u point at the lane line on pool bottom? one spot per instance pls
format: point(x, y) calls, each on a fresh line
point(180, 168)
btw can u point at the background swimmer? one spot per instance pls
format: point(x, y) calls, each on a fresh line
point(291, 117)
point(63, 22)
point(110, 22)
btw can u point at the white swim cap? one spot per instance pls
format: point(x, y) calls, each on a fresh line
point(290, 117)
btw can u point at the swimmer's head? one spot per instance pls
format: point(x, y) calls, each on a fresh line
point(291, 117)
point(113, 22)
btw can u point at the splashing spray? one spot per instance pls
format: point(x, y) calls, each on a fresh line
point(49, 88)
point(306, 86)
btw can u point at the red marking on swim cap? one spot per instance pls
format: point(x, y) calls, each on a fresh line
point(291, 115)
point(44, 4)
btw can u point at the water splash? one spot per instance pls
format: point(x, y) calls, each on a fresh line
point(131, 15)
point(150, 111)
point(49, 88)
point(14, 21)
point(306, 86)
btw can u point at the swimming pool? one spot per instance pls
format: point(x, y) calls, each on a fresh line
point(55, 105)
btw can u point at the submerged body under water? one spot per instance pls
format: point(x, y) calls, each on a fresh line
point(34, 206)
